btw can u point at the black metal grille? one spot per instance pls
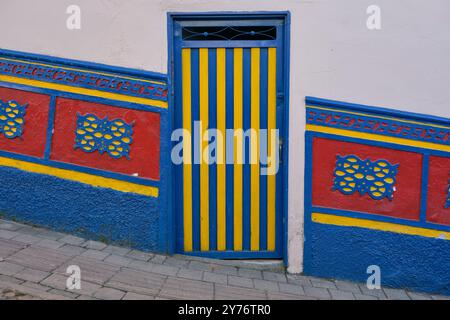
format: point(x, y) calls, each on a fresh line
point(229, 33)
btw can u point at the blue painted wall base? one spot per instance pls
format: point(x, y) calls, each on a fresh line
point(410, 262)
point(95, 213)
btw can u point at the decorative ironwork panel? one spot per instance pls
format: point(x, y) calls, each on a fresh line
point(229, 33)
point(377, 178)
point(111, 136)
point(11, 119)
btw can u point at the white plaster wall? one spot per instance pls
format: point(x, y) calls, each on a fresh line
point(405, 65)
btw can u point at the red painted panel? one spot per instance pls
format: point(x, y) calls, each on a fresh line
point(144, 150)
point(406, 198)
point(32, 141)
point(438, 180)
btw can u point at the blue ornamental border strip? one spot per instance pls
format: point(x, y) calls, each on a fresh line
point(102, 81)
point(377, 125)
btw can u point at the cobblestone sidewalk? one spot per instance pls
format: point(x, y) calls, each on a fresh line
point(33, 263)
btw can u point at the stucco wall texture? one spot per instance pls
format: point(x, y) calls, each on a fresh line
point(404, 65)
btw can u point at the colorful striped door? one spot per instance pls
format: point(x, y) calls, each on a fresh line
point(227, 205)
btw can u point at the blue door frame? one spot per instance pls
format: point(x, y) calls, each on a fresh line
point(175, 218)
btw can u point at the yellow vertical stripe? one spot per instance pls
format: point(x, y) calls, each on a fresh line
point(187, 166)
point(221, 128)
point(204, 173)
point(271, 124)
point(238, 124)
point(254, 167)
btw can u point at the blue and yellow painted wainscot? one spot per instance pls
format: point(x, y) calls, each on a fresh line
point(49, 177)
point(405, 228)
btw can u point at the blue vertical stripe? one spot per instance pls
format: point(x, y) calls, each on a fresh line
point(50, 126)
point(195, 166)
point(178, 186)
point(279, 177)
point(247, 145)
point(212, 116)
point(263, 154)
point(229, 68)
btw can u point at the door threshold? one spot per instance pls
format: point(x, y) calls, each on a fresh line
point(257, 264)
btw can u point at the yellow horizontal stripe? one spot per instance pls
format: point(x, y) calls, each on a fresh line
point(378, 225)
point(89, 92)
point(381, 117)
point(82, 70)
point(86, 178)
point(377, 137)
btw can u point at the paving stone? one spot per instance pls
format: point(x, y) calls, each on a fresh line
point(118, 260)
point(49, 244)
point(117, 250)
point(319, 283)
point(109, 294)
point(34, 290)
point(11, 226)
point(187, 289)
point(228, 270)
point(166, 270)
point(72, 240)
point(95, 254)
point(141, 265)
point(359, 296)
point(58, 281)
point(347, 286)
point(28, 230)
point(9, 247)
point(249, 273)
point(299, 280)
point(137, 296)
point(266, 285)
point(320, 293)
point(71, 250)
point(32, 275)
point(70, 295)
point(396, 294)
point(50, 235)
point(419, 296)
point(139, 255)
point(85, 297)
point(27, 238)
point(96, 245)
point(92, 270)
point(39, 258)
point(291, 288)
point(273, 295)
point(223, 292)
point(214, 277)
point(341, 295)
point(372, 292)
point(9, 279)
point(6, 234)
point(198, 265)
point(240, 282)
point(157, 258)
point(137, 281)
point(10, 269)
point(176, 262)
point(274, 276)
point(190, 274)
point(440, 297)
